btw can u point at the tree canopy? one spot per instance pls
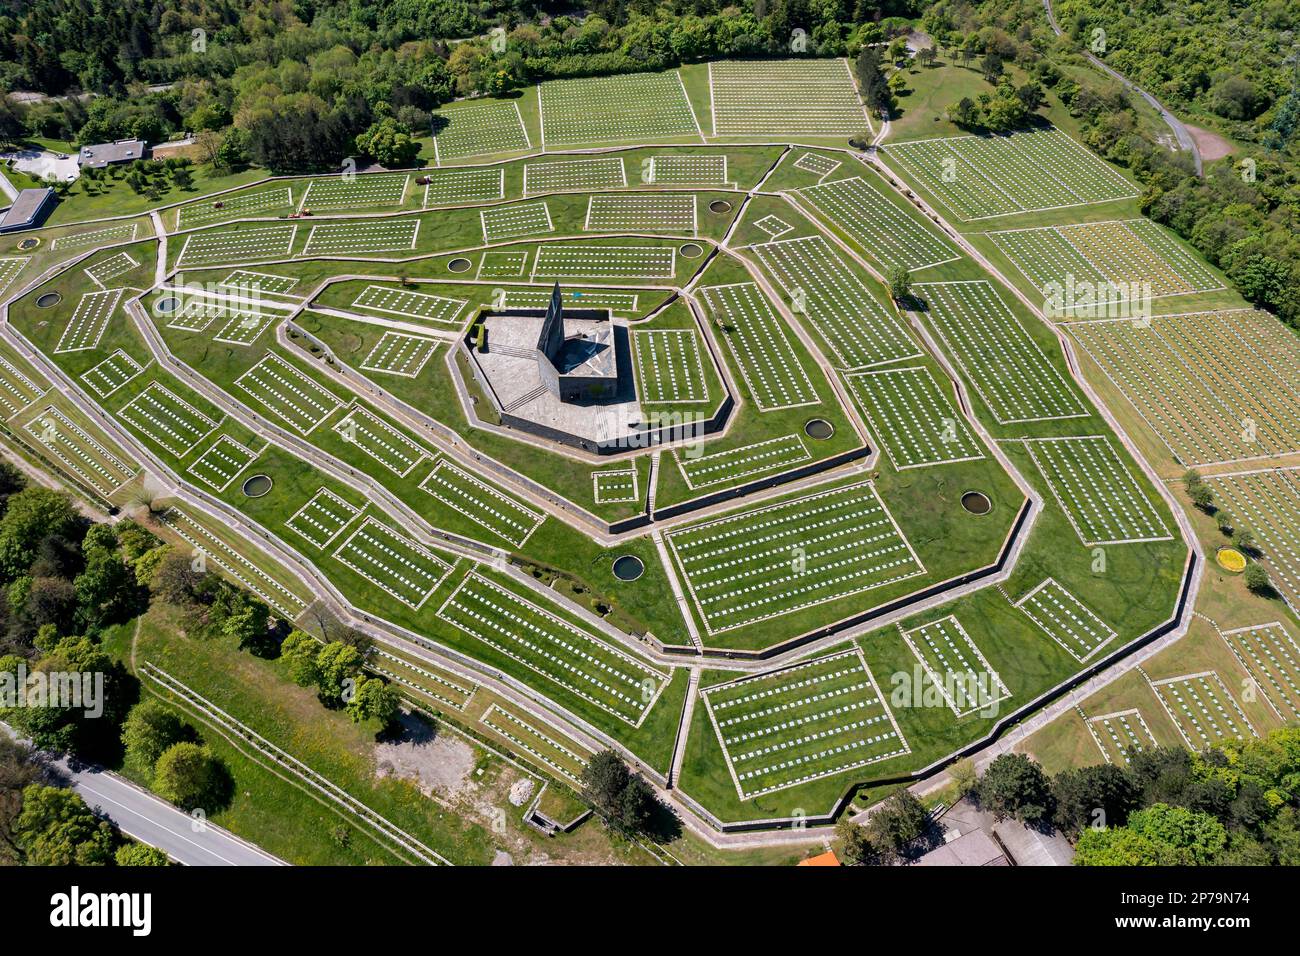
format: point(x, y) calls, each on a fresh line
point(622, 798)
point(192, 777)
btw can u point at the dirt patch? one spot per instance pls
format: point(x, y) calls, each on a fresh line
point(437, 762)
point(191, 151)
point(1211, 145)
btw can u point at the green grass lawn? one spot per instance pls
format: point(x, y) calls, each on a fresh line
point(294, 483)
point(1130, 587)
point(284, 817)
point(113, 197)
point(257, 693)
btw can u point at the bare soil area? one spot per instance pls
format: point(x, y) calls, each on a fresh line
point(1212, 145)
point(438, 762)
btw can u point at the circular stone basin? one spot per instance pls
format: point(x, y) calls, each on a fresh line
point(167, 305)
point(719, 205)
point(691, 250)
point(28, 244)
point(628, 567)
point(257, 485)
point(48, 300)
point(818, 428)
point(459, 265)
point(976, 502)
point(1230, 559)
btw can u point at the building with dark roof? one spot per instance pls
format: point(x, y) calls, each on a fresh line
point(100, 155)
point(28, 210)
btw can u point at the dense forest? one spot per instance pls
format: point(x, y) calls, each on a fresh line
point(55, 46)
point(65, 581)
point(1232, 60)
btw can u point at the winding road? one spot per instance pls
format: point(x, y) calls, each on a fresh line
point(1186, 141)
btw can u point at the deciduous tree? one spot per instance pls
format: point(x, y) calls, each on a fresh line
point(1015, 786)
point(192, 777)
point(56, 828)
point(149, 730)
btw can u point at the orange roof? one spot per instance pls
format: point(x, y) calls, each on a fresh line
point(824, 859)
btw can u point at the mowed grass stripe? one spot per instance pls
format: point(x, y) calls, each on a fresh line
point(79, 452)
point(376, 438)
point(481, 503)
point(167, 420)
point(112, 373)
point(17, 389)
point(1272, 656)
point(1268, 503)
point(1095, 488)
point(223, 461)
point(879, 227)
point(322, 518)
point(915, 421)
point(1203, 709)
point(392, 562)
point(955, 665)
point(546, 645)
point(762, 345)
point(741, 569)
point(624, 107)
point(1006, 366)
point(538, 742)
point(796, 724)
point(835, 302)
point(1067, 620)
point(288, 394)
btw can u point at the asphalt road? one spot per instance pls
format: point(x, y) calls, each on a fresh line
point(152, 820)
point(147, 818)
point(1181, 133)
